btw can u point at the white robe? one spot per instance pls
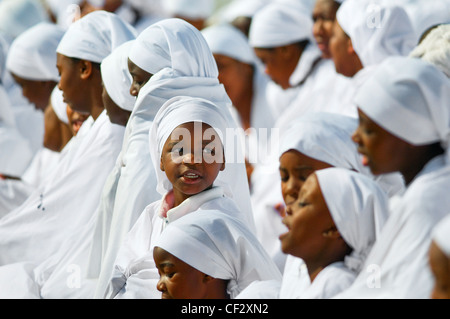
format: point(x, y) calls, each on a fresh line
point(397, 266)
point(135, 274)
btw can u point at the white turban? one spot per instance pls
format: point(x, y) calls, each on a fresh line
point(278, 25)
point(435, 48)
point(116, 77)
point(409, 98)
point(359, 208)
point(441, 235)
point(227, 40)
point(58, 105)
point(95, 36)
point(168, 44)
point(32, 55)
point(193, 9)
point(220, 246)
point(377, 30)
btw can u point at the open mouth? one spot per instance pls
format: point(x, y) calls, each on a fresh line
point(191, 177)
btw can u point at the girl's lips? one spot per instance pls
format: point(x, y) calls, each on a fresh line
point(191, 177)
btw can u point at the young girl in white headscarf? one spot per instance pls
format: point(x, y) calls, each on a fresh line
point(176, 61)
point(187, 186)
point(218, 250)
point(332, 226)
point(60, 207)
point(405, 127)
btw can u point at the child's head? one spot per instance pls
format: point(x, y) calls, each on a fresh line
point(337, 217)
point(316, 141)
point(324, 15)
point(412, 92)
point(439, 260)
point(187, 145)
point(209, 254)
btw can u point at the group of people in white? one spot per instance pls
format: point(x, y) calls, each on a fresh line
point(243, 149)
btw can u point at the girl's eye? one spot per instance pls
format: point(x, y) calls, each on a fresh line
point(302, 204)
point(178, 151)
point(170, 275)
point(210, 151)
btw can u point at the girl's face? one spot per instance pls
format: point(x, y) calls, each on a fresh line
point(75, 120)
point(178, 280)
point(440, 267)
point(324, 14)
point(140, 78)
point(36, 92)
point(381, 151)
point(274, 61)
point(192, 164)
point(295, 168)
point(308, 221)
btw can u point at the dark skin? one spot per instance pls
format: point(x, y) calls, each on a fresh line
point(57, 133)
point(385, 153)
point(440, 267)
point(139, 76)
point(178, 280)
point(81, 83)
point(280, 62)
point(116, 114)
point(324, 15)
point(36, 92)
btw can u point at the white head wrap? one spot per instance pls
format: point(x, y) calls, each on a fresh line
point(221, 247)
point(180, 110)
point(32, 55)
point(229, 41)
point(377, 30)
point(240, 8)
point(441, 235)
point(279, 24)
point(116, 77)
point(435, 48)
point(193, 9)
point(58, 105)
point(17, 16)
point(95, 36)
point(359, 209)
point(409, 98)
point(175, 44)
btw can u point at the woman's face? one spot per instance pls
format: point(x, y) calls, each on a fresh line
point(36, 92)
point(295, 168)
point(140, 78)
point(324, 15)
point(177, 280)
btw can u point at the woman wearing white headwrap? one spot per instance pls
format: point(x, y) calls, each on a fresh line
point(218, 246)
point(332, 226)
point(439, 259)
point(196, 12)
point(405, 127)
point(92, 153)
point(134, 271)
point(181, 64)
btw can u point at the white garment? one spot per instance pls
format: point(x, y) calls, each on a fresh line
point(32, 55)
point(397, 266)
point(12, 194)
point(41, 166)
point(441, 234)
point(16, 153)
point(135, 274)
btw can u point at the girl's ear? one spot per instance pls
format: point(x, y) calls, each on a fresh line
point(86, 68)
point(332, 233)
point(161, 164)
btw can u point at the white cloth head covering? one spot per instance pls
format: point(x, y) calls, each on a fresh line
point(95, 36)
point(164, 44)
point(17, 16)
point(32, 55)
point(409, 98)
point(359, 208)
point(229, 41)
point(441, 235)
point(180, 110)
point(221, 247)
point(193, 9)
point(435, 48)
point(377, 30)
point(279, 24)
point(116, 77)
point(241, 8)
point(58, 105)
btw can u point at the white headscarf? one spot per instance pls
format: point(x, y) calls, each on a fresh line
point(435, 48)
point(359, 209)
point(377, 30)
point(409, 98)
point(58, 105)
point(194, 9)
point(221, 247)
point(180, 110)
point(229, 41)
point(97, 35)
point(116, 77)
point(279, 24)
point(441, 235)
point(32, 55)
